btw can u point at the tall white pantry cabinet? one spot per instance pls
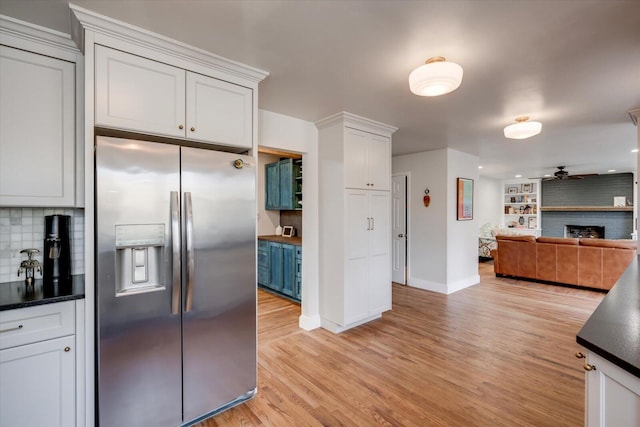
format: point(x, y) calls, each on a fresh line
point(355, 220)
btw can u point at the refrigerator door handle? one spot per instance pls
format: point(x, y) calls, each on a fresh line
point(188, 304)
point(176, 290)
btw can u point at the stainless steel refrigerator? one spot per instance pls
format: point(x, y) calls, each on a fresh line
point(176, 287)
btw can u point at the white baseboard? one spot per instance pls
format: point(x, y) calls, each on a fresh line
point(444, 288)
point(336, 329)
point(309, 323)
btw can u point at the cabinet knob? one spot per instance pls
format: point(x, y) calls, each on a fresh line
point(67, 349)
point(193, 129)
point(180, 127)
point(587, 367)
point(580, 355)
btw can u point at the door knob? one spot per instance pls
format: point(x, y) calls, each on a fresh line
point(400, 235)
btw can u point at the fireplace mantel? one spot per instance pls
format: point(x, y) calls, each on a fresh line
point(586, 208)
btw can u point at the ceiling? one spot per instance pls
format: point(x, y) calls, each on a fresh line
point(573, 65)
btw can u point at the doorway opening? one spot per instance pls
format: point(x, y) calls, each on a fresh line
point(279, 230)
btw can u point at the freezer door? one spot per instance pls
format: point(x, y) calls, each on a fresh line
point(219, 283)
point(138, 296)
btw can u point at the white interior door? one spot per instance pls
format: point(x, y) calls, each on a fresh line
point(399, 229)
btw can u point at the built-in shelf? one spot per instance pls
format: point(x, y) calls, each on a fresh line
point(587, 208)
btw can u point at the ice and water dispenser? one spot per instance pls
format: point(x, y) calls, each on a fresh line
point(139, 255)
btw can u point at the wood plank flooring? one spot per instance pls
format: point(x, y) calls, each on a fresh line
point(500, 353)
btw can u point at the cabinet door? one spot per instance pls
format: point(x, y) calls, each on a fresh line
point(37, 130)
point(219, 112)
point(263, 262)
point(286, 184)
point(379, 252)
point(138, 94)
point(357, 227)
point(379, 162)
point(288, 269)
point(38, 384)
point(275, 266)
point(272, 187)
point(356, 174)
point(612, 395)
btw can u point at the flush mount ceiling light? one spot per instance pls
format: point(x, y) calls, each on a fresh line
point(436, 77)
point(522, 129)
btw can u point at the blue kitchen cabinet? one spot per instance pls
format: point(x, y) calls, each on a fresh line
point(297, 289)
point(286, 184)
point(279, 268)
point(272, 187)
point(288, 269)
point(275, 266)
point(263, 262)
point(283, 185)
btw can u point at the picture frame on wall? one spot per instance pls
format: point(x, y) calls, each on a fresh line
point(533, 222)
point(464, 199)
point(526, 188)
point(512, 190)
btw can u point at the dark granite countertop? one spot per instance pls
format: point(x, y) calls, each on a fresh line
point(295, 240)
point(613, 330)
point(15, 294)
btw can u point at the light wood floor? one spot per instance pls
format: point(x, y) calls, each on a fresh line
point(500, 353)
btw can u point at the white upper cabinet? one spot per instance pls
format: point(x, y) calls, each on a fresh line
point(218, 111)
point(138, 94)
point(367, 160)
point(141, 95)
point(37, 131)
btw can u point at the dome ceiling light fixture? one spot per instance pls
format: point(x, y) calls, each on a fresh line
point(522, 129)
point(436, 77)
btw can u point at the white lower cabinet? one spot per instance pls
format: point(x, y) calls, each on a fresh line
point(37, 383)
point(367, 261)
point(38, 366)
point(612, 396)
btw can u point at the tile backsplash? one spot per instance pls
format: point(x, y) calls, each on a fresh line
point(23, 228)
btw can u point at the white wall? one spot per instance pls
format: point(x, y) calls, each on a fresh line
point(442, 252)
point(426, 227)
point(489, 202)
point(290, 134)
point(462, 236)
point(268, 220)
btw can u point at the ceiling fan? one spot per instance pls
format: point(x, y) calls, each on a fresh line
point(562, 174)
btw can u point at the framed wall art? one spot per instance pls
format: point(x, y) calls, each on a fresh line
point(465, 199)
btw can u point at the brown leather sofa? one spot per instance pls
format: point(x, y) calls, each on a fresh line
point(592, 263)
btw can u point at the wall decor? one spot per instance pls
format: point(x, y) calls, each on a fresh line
point(533, 222)
point(526, 188)
point(512, 190)
point(426, 199)
point(464, 199)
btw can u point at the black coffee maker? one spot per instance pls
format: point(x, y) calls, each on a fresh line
point(57, 251)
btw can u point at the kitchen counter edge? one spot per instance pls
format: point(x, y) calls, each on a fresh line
point(295, 240)
point(612, 329)
point(13, 295)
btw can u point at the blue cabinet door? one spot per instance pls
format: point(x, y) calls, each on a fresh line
point(275, 266)
point(288, 269)
point(297, 289)
point(272, 187)
point(286, 184)
point(263, 262)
